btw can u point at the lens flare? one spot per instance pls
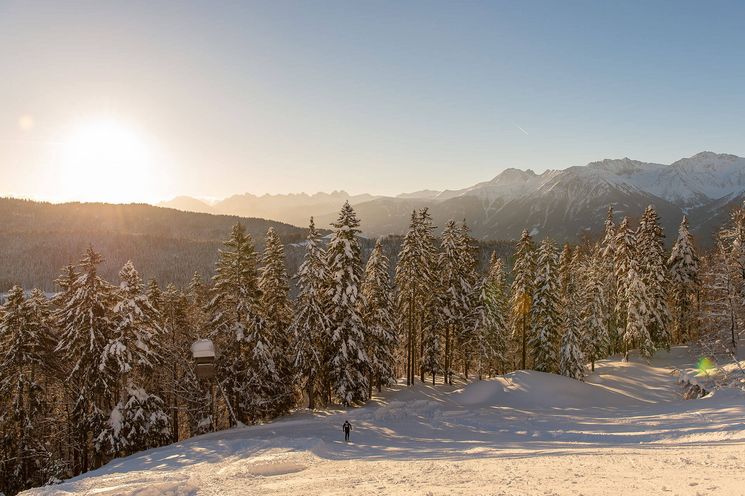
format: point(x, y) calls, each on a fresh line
point(704, 365)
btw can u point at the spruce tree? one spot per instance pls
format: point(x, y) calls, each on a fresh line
point(546, 310)
point(491, 322)
point(310, 327)
point(455, 291)
point(24, 348)
point(607, 252)
point(276, 311)
point(87, 325)
point(376, 310)
point(418, 293)
point(521, 301)
point(651, 255)
point(572, 360)
point(594, 311)
point(349, 363)
point(234, 316)
point(469, 289)
point(637, 314)
point(625, 255)
point(683, 265)
point(138, 419)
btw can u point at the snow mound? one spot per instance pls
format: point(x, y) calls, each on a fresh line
point(537, 390)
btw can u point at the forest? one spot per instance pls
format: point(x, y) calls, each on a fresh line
point(102, 368)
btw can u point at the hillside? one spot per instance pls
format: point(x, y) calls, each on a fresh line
point(38, 239)
point(627, 429)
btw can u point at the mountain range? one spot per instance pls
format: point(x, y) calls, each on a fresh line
point(564, 204)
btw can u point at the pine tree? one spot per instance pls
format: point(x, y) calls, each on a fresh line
point(469, 290)
point(349, 364)
point(607, 252)
point(417, 296)
point(624, 256)
point(310, 327)
point(546, 313)
point(491, 322)
point(594, 308)
point(521, 302)
point(572, 360)
point(684, 267)
point(87, 325)
point(24, 348)
point(138, 420)
point(637, 310)
point(235, 315)
point(651, 254)
point(719, 300)
point(376, 310)
point(454, 305)
point(276, 311)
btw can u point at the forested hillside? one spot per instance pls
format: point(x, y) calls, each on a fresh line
point(37, 239)
point(103, 368)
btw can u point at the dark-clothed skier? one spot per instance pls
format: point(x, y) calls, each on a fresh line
point(346, 428)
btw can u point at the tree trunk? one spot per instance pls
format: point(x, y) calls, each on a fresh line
point(447, 354)
point(524, 343)
point(310, 392)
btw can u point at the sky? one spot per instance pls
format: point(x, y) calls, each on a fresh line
point(143, 101)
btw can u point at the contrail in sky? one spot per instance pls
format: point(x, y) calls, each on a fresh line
point(523, 130)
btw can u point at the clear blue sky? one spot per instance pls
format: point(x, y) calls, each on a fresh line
point(379, 97)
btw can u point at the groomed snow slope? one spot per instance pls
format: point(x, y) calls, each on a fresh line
point(625, 431)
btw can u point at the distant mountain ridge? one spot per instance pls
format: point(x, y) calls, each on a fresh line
point(564, 204)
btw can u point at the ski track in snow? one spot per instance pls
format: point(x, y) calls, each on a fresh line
point(626, 430)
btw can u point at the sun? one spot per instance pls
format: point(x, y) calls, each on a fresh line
point(106, 160)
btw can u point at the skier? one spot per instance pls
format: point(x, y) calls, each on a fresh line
point(346, 428)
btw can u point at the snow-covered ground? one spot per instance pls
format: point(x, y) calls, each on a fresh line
point(626, 431)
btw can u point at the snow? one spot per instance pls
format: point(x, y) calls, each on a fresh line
point(626, 430)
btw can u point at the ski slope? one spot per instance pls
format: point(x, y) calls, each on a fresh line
point(626, 430)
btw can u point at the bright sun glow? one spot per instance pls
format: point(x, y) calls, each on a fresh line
point(105, 160)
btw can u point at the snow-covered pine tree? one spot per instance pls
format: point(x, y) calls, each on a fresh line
point(594, 308)
point(87, 324)
point(637, 314)
point(521, 301)
point(625, 255)
point(651, 256)
point(349, 364)
point(410, 284)
point(274, 304)
point(154, 295)
point(546, 310)
point(25, 459)
point(417, 297)
point(491, 321)
point(138, 420)
point(376, 308)
point(572, 360)
point(683, 265)
point(234, 313)
point(719, 302)
point(310, 327)
point(428, 334)
point(453, 305)
point(470, 289)
point(607, 253)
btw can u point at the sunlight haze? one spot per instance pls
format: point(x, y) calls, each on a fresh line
point(381, 97)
